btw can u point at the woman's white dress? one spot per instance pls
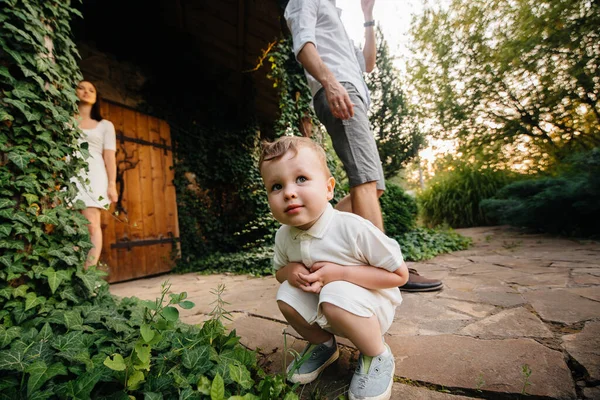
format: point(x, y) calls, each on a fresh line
point(100, 138)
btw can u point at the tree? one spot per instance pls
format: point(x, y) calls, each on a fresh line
point(396, 133)
point(512, 81)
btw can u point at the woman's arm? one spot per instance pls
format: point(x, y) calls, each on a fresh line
point(111, 171)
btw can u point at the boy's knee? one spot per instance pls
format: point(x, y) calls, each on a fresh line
point(329, 310)
point(285, 308)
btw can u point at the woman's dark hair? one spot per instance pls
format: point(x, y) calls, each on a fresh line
point(95, 112)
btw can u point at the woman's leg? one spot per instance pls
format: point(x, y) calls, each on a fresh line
point(93, 215)
point(314, 334)
point(363, 332)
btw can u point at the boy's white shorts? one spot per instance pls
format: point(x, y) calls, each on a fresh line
point(348, 296)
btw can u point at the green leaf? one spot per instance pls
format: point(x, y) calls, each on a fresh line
point(32, 300)
point(40, 373)
point(7, 335)
point(73, 320)
point(186, 305)
point(7, 203)
point(135, 379)
point(147, 332)
point(217, 389)
point(241, 375)
point(54, 279)
point(20, 159)
point(189, 394)
point(170, 314)
point(153, 396)
point(13, 359)
point(197, 359)
point(117, 363)
point(21, 291)
point(142, 351)
point(5, 230)
point(292, 396)
point(204, 385)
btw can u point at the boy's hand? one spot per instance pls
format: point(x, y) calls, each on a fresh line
point(294, 272)
point(321, 273)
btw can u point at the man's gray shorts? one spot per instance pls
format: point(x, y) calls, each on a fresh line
point(352, 139)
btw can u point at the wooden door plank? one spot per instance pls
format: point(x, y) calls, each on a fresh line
point(170, 193)
point(147, 196)
point(108, 255)
point(158, 191)
point(134, 195)
point(121, 228)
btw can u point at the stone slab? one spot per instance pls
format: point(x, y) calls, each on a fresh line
point(408, 392)
point(456, 361)
point(585, 348)
point(562, 305)
point(513, 323)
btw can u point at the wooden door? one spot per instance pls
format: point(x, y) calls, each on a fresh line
point(141, 231)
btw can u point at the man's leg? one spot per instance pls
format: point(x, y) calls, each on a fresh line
point(364, 201)
point(354, 144)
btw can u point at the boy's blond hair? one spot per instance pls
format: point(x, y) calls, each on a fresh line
point(273, 150)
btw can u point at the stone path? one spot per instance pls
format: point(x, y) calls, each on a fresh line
point(520, 313)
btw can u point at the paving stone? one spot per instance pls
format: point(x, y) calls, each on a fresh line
point(432, 316)
point(591, 393)
point(500, 298)
point(455, 361)
point(590, 292)
point(562, 305)
point(407, 392)
point(477, 310)
point(512, 323)
point(586, 279)
point(541, 280)
point(585, 348)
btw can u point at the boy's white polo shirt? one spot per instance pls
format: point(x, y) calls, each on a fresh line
point(342, 238)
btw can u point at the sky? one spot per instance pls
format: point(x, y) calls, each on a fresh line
point(393, 16)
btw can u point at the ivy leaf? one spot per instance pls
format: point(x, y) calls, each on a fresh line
point(170, 313)
point(7, 203)
point(45, 333)
point(73, 320)
point(13, 359)
point(5, 230)
point(21, 217)
point(20, 159)
point(7, 335)
point(54, 279)
point(217, 389)
point(117, 363)
point(241, 375)
point(188, 394)
point(197, 360)
point(39, 373)
point(83, 386)
point(32, 300)
point(21, 291)
point(153, 396)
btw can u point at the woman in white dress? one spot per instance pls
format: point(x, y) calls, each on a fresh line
point(101, 190)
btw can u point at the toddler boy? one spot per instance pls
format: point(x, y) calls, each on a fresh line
point(339, 273)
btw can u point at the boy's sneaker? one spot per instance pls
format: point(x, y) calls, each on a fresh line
point(376, 383)
point(313, 359)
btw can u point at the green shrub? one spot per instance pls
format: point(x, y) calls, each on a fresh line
point(568, 204)
point(453, 197)
point(399, 210)
point(425, 243)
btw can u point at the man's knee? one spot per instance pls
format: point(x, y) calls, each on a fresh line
point(366, 188)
